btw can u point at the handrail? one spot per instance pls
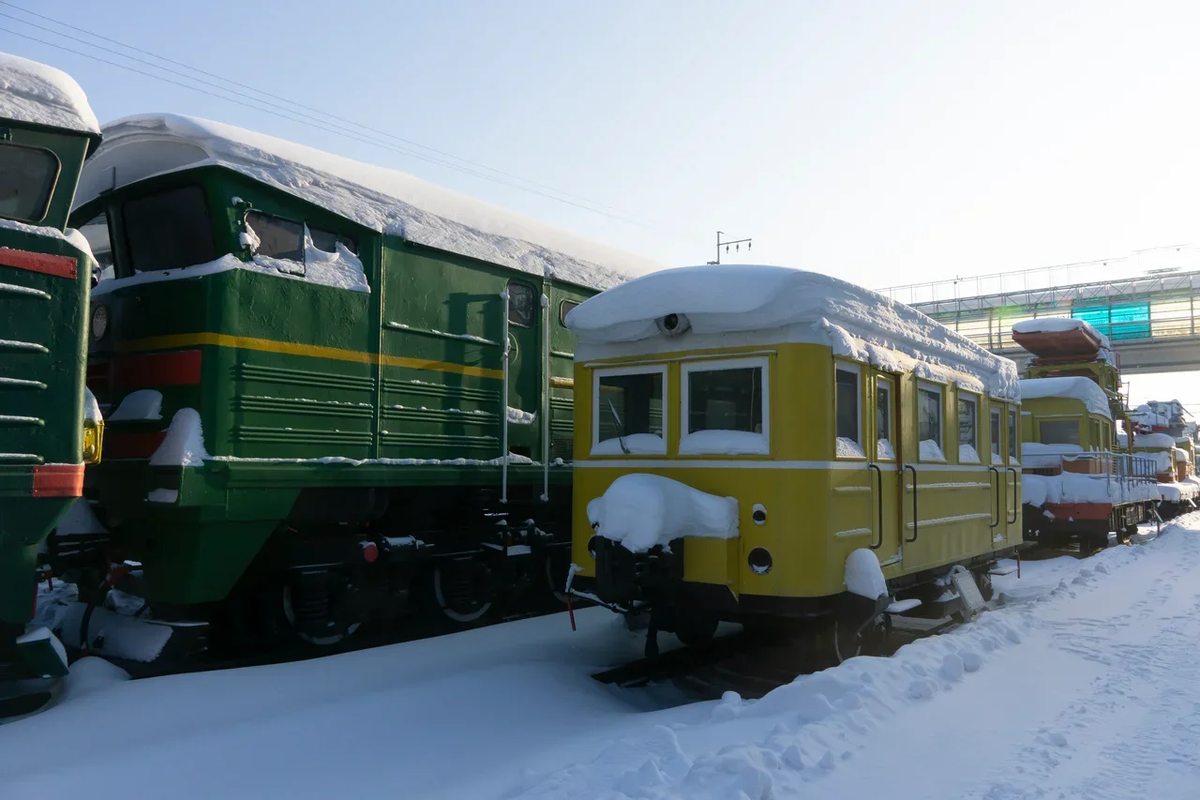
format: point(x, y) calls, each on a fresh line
point(879, 499)
point(916, 518)
point(545, 398)
point(504, 407)
point(1016, 483)
point(995, 500)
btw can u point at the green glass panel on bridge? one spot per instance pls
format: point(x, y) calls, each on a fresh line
point(1118, 321)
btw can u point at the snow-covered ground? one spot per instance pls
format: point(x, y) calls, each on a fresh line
point(1083, 683)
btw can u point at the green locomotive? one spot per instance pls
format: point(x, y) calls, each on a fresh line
point(328, 386)
point(47, 427)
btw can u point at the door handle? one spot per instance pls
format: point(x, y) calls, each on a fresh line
point(1016, 482)
point(995, 499)
point(879, 500)
point(916, 519)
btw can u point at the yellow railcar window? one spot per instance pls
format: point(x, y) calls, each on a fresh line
point(997, 428)
point(884, 449)
point(1059, 431)
point(725, 408)
point(968, 429)
point(848, 413)
point(929, 421)
point(628, 413)
point(1013, 438)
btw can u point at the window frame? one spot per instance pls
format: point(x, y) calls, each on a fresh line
point(619, 371)
point(112, 254)
point(888, 384)
point(940, 390)
point(53, 182)
point(563, 310)
point(719, 365)
point(304, 236)
point(972, 399)
point(533, 293)
point(855, 369)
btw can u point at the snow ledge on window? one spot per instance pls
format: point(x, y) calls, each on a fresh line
point(724, 443)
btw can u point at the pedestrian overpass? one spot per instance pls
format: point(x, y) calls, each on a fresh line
point(1150, 317)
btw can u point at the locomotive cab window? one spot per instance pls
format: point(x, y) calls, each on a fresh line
point(278, 237)
point(968, 428)
point(522, 310)
point(564, 308)
point(725, 408)
point(99, 239)
point(929, 421)
point(848, 411)
point(997, 429)
point(27, 178)
point(884, 448)
point(168, 229)
point(627, 411)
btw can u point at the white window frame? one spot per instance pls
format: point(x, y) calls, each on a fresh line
point(973, 399)
point(889, 384)
point(685, 372)
point(856, 370)
point(940, 390)
point(608, 372)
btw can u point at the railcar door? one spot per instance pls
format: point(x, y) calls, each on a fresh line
point(885, 439)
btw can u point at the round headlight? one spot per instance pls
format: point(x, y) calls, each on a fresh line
point(99, 321)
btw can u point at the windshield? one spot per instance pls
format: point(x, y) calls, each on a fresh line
point(168, 230)
point(27, 177)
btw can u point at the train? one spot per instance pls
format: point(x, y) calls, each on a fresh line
point(316, 397)
point(49, 426)
point(334, 393)
point(787, 451)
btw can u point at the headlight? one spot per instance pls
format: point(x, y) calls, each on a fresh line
point(99, 322)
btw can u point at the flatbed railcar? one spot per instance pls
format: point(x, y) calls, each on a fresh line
point(46, 429)
point(784, 450)
point(330, 387)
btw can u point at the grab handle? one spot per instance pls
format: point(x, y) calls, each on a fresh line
point(995, 499)
point(1016, 483)
point(916, 518)
point(879, 499)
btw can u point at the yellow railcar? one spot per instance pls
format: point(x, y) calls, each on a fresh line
point(740, 432)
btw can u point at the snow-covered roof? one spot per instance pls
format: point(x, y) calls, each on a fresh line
point(1073, 388)
point(727, 303)
point(41, 95)
point(1154, 441)
point(376, 197)
point(1059, 324)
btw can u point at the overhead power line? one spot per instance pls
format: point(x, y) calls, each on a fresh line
point(341, 126)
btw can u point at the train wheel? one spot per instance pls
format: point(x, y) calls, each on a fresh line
point(555, 570)
point(460, 591)
point(301, 610)
point(847, 642)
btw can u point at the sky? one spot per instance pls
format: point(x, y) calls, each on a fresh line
point(884, 142)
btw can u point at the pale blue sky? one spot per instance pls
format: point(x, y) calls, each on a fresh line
point(883, 142)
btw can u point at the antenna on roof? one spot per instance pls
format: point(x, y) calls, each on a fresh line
point(737, 244)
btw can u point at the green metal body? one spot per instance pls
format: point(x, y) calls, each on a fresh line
point(43, 332)
point(399, 390)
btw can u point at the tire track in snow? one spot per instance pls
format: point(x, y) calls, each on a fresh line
point(1133, 721)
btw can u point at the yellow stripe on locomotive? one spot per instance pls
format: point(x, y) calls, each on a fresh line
point(820, 433)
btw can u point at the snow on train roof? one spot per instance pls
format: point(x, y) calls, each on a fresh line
point(1058, 325)
point(376, 197)
point(1078, 388)
point(41, 95)
point(734, 301)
